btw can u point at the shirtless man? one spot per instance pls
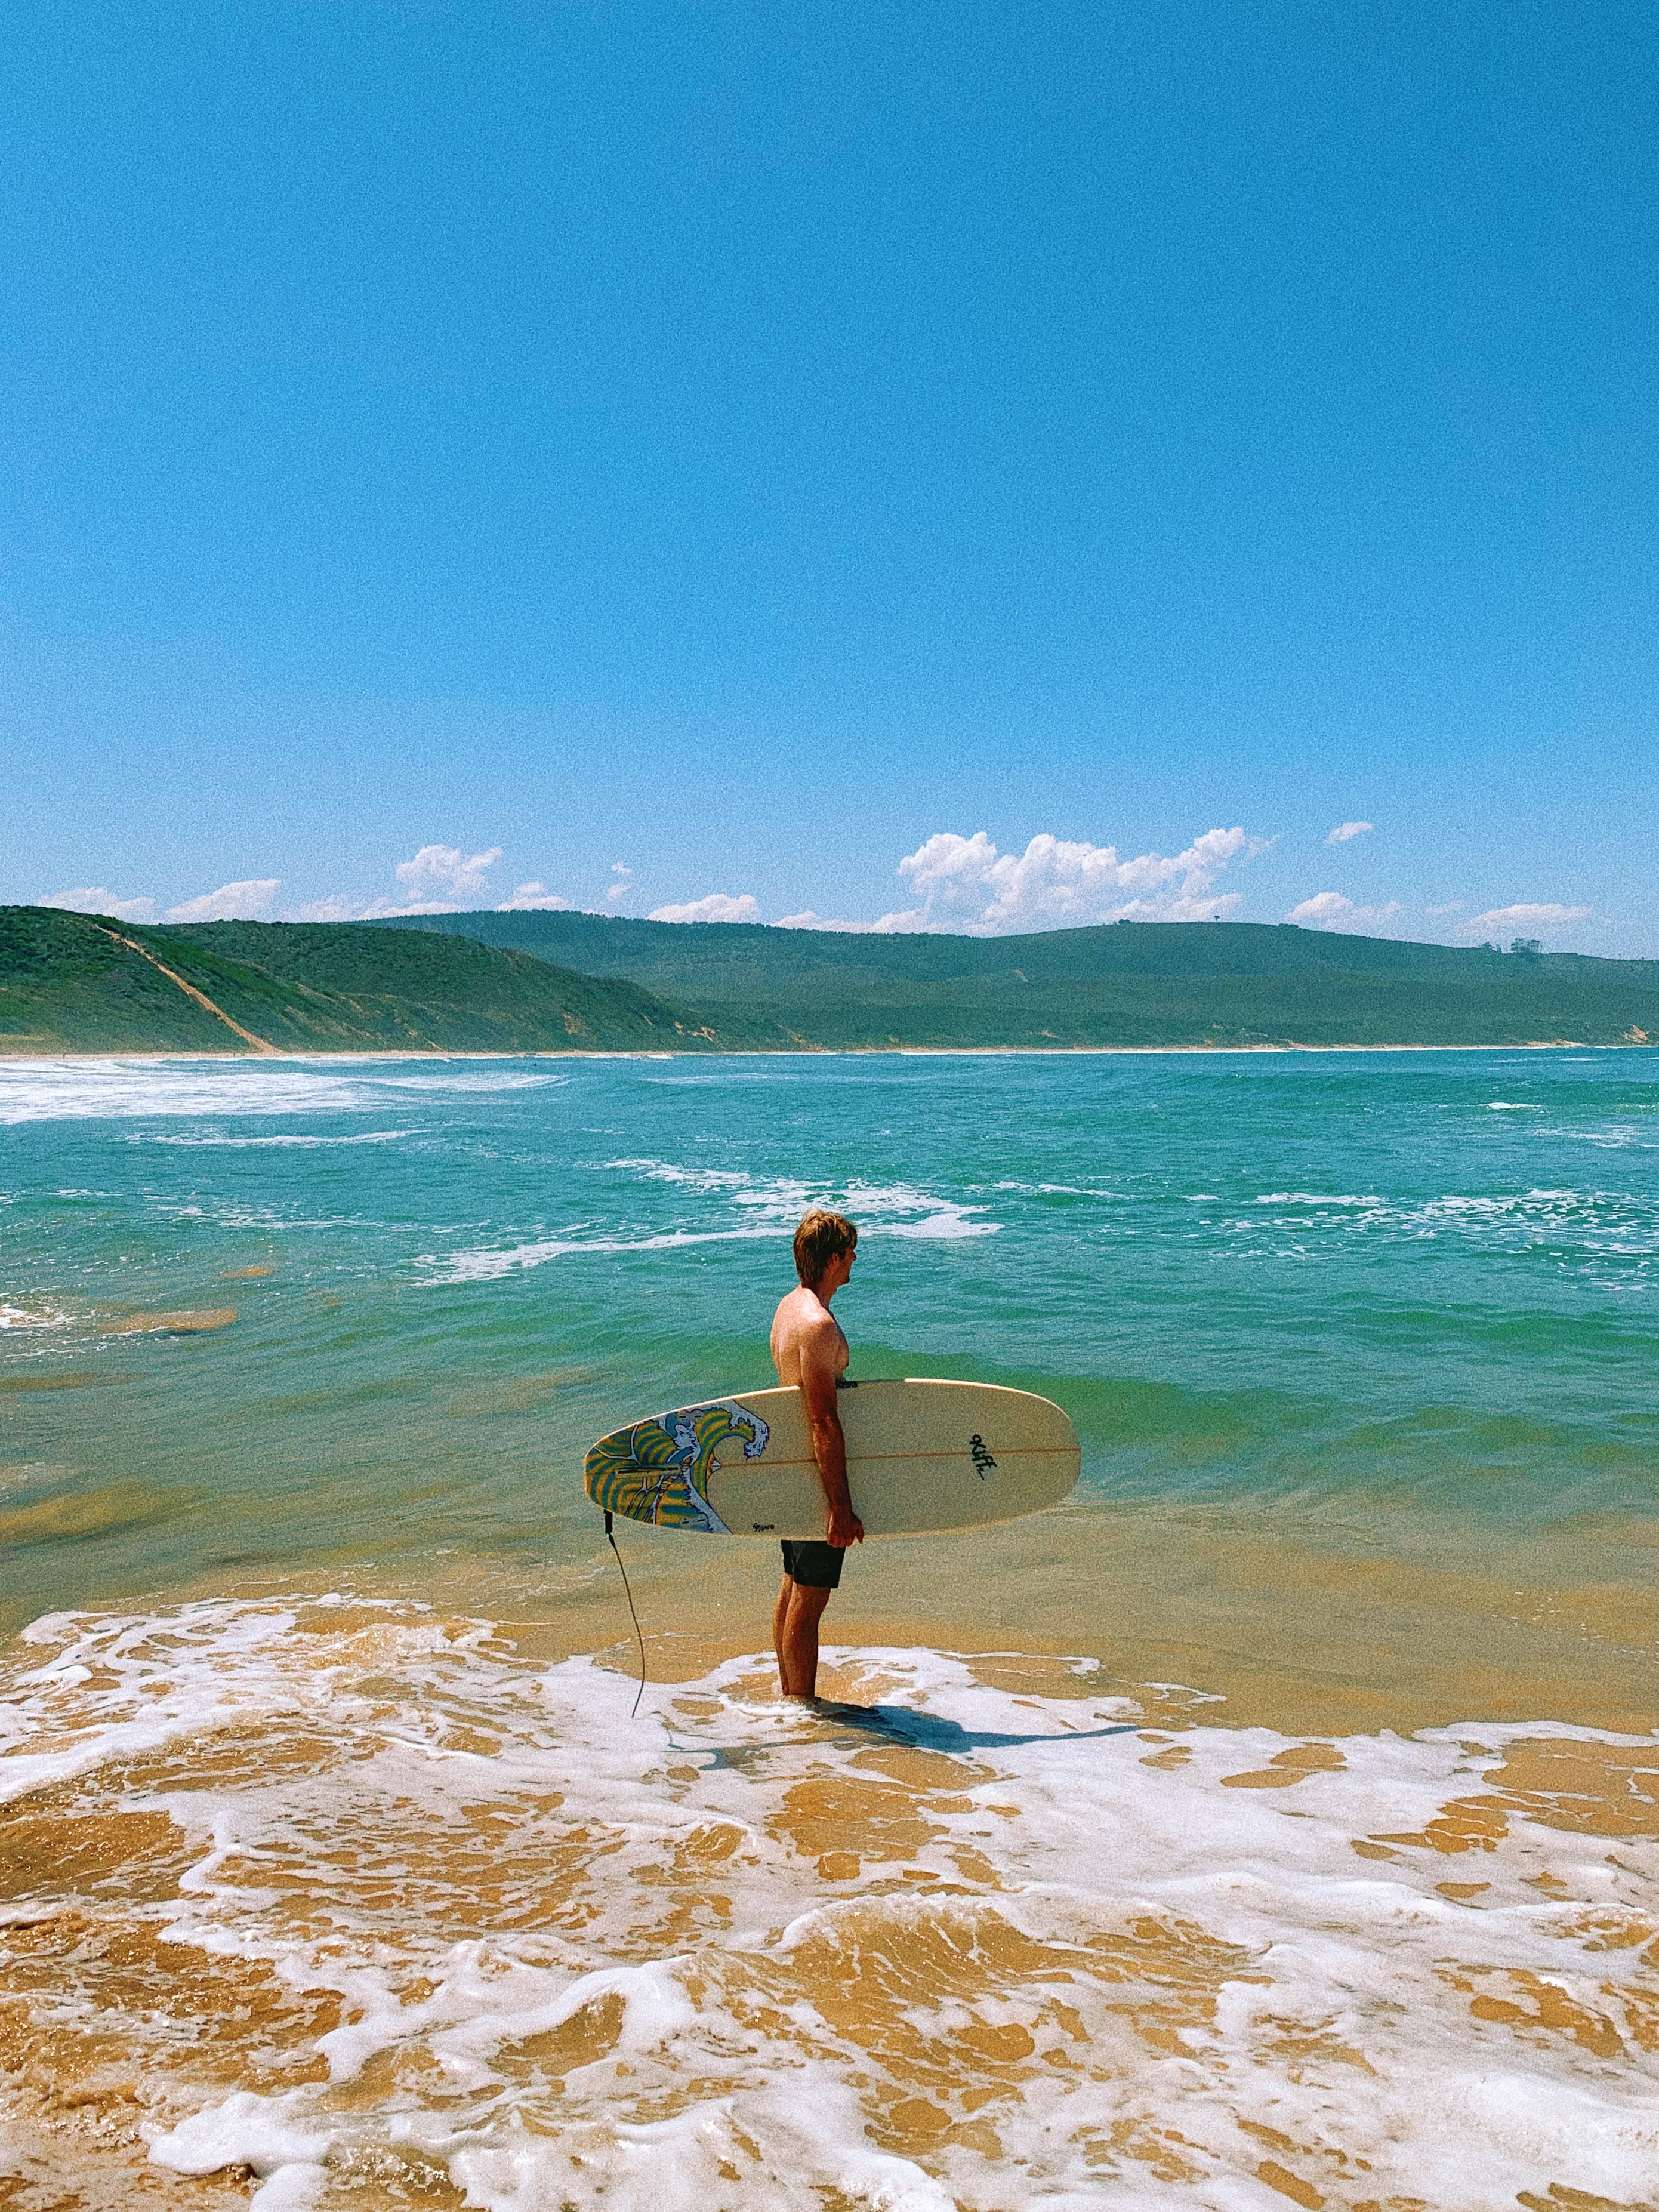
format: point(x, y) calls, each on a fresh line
point(809, 1350)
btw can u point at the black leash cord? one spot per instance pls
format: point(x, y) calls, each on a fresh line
point(638, 1631)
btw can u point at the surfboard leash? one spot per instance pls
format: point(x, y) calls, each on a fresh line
point(611, 1538)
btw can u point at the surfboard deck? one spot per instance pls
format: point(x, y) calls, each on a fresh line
point(922, 1457)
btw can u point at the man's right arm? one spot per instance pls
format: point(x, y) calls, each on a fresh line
point(818, 1390)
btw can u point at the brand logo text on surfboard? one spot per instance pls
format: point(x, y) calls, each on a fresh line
point(979, 1452)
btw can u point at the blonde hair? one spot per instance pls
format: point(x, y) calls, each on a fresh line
point(821, 1238)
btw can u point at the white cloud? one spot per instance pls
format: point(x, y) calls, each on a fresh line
point(383, 910)
point(1344, 831)
point(624, 882)
point(95, 899)
point(1330, 910)
point(534, 898)
point(444, 870)
point(1500, 918)
point(243, 902)
point(965, 884)
point(440, 879)
point(891, 925)
point(333, 908)
point(719, 906)
point(1323, 907)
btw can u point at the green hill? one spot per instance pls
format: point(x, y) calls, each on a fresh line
point(538, 983)
point(1167, 983)
point(72, 983)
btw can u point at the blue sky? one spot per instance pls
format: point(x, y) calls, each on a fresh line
point(689, 450)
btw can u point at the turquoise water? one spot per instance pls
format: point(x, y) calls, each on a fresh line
point(338, 1851)
point(1408, 1296)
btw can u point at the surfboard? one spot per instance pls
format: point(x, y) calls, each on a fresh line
point(922, 1457)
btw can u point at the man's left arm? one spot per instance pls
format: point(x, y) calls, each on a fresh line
point(817, 1389)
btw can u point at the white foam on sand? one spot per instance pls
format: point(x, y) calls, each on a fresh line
point(980, 1946)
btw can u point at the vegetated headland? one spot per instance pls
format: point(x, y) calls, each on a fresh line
point(80, 983)
point(583, 982)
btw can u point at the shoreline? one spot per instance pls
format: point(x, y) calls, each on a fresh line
point(1291, 1628)
point(834, 1052)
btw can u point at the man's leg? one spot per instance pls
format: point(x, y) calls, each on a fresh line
point(780, 1614)
point(800, 1607)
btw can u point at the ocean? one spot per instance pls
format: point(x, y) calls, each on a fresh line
point(1279, 1819)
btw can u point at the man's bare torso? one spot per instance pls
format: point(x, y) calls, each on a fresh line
point(805, 1334)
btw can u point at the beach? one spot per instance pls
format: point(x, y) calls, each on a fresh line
point(1277, 1820)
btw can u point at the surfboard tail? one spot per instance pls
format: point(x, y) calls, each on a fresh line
point(660, 1470)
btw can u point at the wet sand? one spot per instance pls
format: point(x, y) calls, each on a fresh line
point(376, 1909)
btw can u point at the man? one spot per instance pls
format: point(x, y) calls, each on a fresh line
point(809, 1350)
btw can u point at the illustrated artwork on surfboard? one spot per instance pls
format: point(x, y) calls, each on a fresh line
point(922, 1457)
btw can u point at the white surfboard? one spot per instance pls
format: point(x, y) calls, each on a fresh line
point(922, 1457)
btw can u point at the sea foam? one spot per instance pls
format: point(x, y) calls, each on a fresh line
point(1000, 1939)
point(755, 1207)
point(129, 1088)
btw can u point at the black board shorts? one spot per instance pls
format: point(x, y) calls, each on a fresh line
point(814, 1566)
